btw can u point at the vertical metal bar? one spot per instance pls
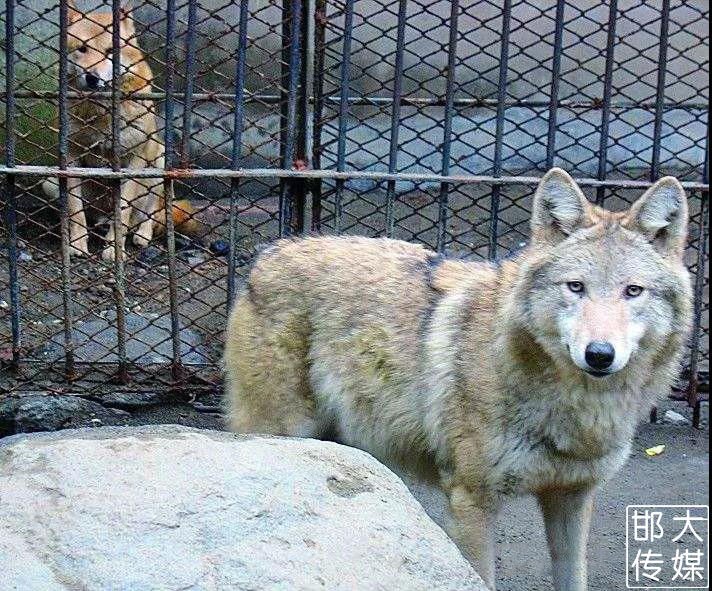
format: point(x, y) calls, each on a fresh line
point(291, 76)
point(238, 123)
point(447, 125)
point(657, 129)
point(69, 370)
point(302, 138)
point(660, 91)
point(320, 21)
point(555, 74)
point(169, 143)
point(10, 193)
point(499, 130)
point(344, 80)
point(607, 90)
point(703, 229)
point(119, 229)
point(189, 76)
point(395, 116)
point(692, 386)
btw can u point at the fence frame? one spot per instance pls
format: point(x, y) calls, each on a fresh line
point(300, 174)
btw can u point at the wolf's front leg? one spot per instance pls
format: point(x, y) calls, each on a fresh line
point(475, 519)
point(567, 517)
point(144, 210)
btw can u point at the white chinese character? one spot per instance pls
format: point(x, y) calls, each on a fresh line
point(646, 526)
point(650, 563)
point(688, 519)
point(687, 565)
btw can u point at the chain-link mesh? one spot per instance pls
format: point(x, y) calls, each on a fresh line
point(427, 120)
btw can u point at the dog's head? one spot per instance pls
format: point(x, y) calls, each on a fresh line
point(90, 48)
point(604, 288)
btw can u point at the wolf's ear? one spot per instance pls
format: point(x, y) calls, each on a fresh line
point(661, 216)
point(559, 209)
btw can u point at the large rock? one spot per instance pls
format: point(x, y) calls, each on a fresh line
point(170, 508)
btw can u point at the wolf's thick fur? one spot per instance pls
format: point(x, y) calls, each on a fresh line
point(89, 41)
point(477, 370)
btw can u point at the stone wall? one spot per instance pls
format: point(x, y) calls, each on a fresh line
point(425, 59)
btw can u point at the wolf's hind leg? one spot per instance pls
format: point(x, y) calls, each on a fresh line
point(567, 516)
point(267, 385)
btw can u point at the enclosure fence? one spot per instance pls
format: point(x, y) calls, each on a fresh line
point(426, 120)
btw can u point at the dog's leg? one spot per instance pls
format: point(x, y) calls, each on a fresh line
point(474, 530)
point(144, 211)
point(78, 231)
point(567, 516)
point(128, 195)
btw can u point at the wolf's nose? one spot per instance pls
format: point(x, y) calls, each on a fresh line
point(92, 81)
point(600, 355)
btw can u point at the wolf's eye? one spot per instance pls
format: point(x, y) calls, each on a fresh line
point(633, 291)
point(575, 286)
point(82, 49)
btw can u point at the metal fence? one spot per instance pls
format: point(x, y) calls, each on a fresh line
point(428, 120)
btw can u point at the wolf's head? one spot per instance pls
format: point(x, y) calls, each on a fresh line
point(90, 53)
point(605, 288)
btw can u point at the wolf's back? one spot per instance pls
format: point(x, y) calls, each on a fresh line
point(326, 326)
point(351, 274)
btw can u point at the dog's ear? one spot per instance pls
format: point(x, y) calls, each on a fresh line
point(73, 15)
point(128, 30)
point(559, 209)
point(661, 216)
point(125, 11)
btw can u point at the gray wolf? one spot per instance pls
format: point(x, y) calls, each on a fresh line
point(90, 68)
point(526, 377)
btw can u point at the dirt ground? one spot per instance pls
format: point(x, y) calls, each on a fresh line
point(679, 476)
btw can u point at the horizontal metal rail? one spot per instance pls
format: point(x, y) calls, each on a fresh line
point(257, 173)
point(371, 100)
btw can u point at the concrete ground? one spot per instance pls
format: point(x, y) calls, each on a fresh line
point(679, 476)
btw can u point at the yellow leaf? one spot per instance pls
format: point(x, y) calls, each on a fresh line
point(655, 451)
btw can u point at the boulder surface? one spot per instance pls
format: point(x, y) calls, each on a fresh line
point(169, 508)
